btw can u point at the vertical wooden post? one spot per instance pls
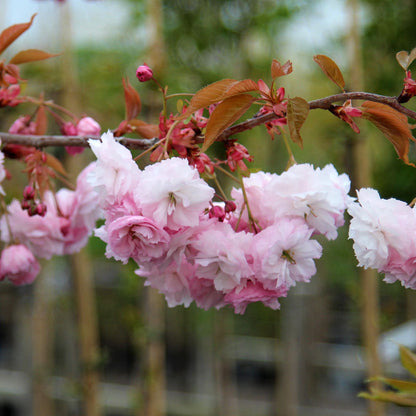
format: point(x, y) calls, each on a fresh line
point(82, 273)
point(42, 343)
point(370, 314)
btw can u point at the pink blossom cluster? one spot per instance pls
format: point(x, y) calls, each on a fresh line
point(383, 231)
point(159, 217)
point(68, 221)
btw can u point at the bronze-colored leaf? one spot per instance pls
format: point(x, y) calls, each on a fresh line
point(10, 34)
point(279, 70)
point(297, 112)
point(55, 164)
point(147, 131)
point(211, 94)
point(408, 360)
point(240, 87)
point(392, 124)
point(330, 69)
point(132, 100)
point(225, 114)
point(31, 55)
point(41, 121)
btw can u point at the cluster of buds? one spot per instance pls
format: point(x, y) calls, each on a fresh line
point(30, 204)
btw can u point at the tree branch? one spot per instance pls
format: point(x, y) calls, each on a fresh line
point(322, 103)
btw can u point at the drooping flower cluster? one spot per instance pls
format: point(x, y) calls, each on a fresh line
point(159, 217)
point(384, 234)
point(64, 227)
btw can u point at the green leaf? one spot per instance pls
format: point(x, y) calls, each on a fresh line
point(297, 112)
point(391, 397)
point(403, 386)
point(408, 360)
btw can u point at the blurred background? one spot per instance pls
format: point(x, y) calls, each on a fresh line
point(89, 339)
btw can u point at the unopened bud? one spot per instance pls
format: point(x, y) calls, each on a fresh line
point(41, 209)
point(28, 192)
point(144, 73)
point(230, 206)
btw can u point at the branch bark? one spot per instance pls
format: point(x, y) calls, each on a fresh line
point(143, 144)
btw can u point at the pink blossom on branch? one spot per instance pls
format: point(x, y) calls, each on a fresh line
point(18, 265)
point(144, 73)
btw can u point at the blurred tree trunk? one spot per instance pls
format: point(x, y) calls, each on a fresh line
point(82, 273)
point(153, 378)
point(370, 314)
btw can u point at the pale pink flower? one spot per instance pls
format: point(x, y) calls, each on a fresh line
point(205, 295)
point(223, 256)
point(115, 173)
point(384, 234)
point(18, 265)
point(239, 298)
point(172, 193)
point(136, 237)
point(284, 254)
point(172, 281)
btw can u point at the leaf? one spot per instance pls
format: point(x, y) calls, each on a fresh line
point(389, 396)
point(10, 34)
point(55, 164)
point(226, 113)
point(208, 95)
point(31, 55)
point(41, 121)
point(330, 69)
point(279, 70)
point(246, 85)
point(297, 112)
point(403, 386)
point(404, 59)
point(132, 100)
point(147, 131)
point(392, 124)
point(408, 360)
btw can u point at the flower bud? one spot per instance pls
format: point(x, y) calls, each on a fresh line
point(87, 126)
point(41, 209)
point(144, 73)
point(28, 192)
point(230, 206)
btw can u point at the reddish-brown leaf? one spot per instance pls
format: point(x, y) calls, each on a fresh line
point(225, 114)
point(330, 69)
point(10, 34)
point(41, 121)
point(279, 70)
point(31, 55)
point(208, 95)
point(392, 124)
point(147, 131)
point(240, 87)
point(55, 164)
point(297, 112)
point(132, 100)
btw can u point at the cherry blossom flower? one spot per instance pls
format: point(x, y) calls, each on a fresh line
point(115, 173)
point(284, 254)
point(172, 193)
point(384, 235)
point(18, 265)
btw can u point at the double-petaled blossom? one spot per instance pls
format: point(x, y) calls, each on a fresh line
point(172, 193)
point(23, 125)
point(18, 265)
point(384, 235)
point(115, 173)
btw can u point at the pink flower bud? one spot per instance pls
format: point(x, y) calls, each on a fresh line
point(28, 192)
point(19, 265)
point(217, 212)
point(41, 209)
point(69, 129)
point(230, 206)
point(87, 126)
point(144, 73)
